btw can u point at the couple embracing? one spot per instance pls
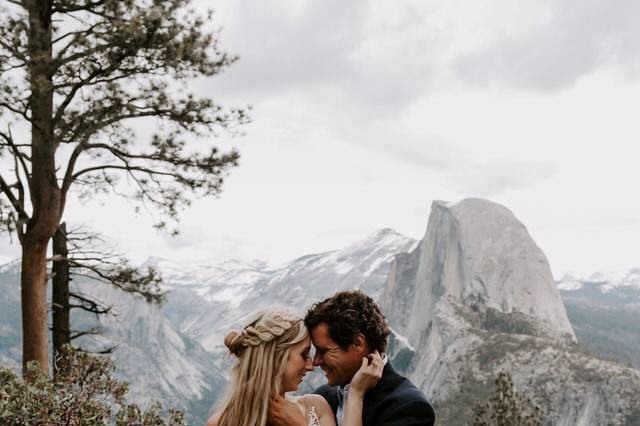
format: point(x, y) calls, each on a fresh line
point(349, 334)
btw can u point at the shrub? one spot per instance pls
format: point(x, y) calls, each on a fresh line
point(84, 392)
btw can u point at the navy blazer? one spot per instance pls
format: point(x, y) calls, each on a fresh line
point(394, 401)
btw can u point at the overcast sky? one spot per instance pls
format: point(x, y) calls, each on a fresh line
point(364, 112)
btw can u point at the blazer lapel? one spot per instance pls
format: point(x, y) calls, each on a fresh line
point(332, 399)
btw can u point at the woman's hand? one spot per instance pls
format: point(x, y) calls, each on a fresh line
point(285, 413)
point(368, 375)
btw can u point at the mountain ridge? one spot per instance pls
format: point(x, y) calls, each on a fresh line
point(202, 308)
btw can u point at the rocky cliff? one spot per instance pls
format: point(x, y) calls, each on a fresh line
point(477, 296)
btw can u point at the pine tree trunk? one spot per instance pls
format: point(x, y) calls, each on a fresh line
point(61, 334)
point(46, 197)
point(34, 303)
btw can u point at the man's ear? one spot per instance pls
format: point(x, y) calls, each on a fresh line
point(360, 344)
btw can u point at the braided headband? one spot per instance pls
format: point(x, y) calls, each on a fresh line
point(263, 330)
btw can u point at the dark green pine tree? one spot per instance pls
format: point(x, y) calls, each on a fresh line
point(507, 407)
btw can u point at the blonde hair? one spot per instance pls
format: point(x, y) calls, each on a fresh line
point(262, 348)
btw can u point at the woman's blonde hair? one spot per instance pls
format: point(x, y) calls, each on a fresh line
point(262, 348)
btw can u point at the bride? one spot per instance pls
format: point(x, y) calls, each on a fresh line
point(272, 353)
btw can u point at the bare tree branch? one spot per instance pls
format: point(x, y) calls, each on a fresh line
point(24, 112)
point(18, 155)
point(89, 305)
point(91, 332)
point(6, 190)
point(88, 6)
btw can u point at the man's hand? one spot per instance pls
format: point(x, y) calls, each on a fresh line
point(285, 413)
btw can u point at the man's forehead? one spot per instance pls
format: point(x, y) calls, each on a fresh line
point(320, 335)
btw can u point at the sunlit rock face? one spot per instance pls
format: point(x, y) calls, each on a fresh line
point(476, 297)
point(478, 254)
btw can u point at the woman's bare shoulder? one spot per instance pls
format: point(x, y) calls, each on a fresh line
point(213, 421)
point(316, 399)
point(300, 401)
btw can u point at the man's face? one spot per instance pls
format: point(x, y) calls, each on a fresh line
point(339, 365)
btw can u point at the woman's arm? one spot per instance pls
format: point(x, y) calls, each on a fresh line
point(365, 378)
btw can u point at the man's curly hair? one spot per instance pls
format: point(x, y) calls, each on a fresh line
point(348, 313)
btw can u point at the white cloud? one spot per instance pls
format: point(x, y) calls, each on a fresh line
point(365, 111)
point(390, 53)
point(549, 45)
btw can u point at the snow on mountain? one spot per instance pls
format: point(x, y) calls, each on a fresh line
point(299, 283)
point(227, 271)
point(606, 281)
point(225, 281)
point(570, 284)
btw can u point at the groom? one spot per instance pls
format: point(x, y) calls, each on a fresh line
point(345, 328)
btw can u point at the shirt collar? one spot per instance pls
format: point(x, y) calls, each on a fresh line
point(343, 390)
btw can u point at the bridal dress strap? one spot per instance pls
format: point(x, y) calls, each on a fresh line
point(313, 417)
